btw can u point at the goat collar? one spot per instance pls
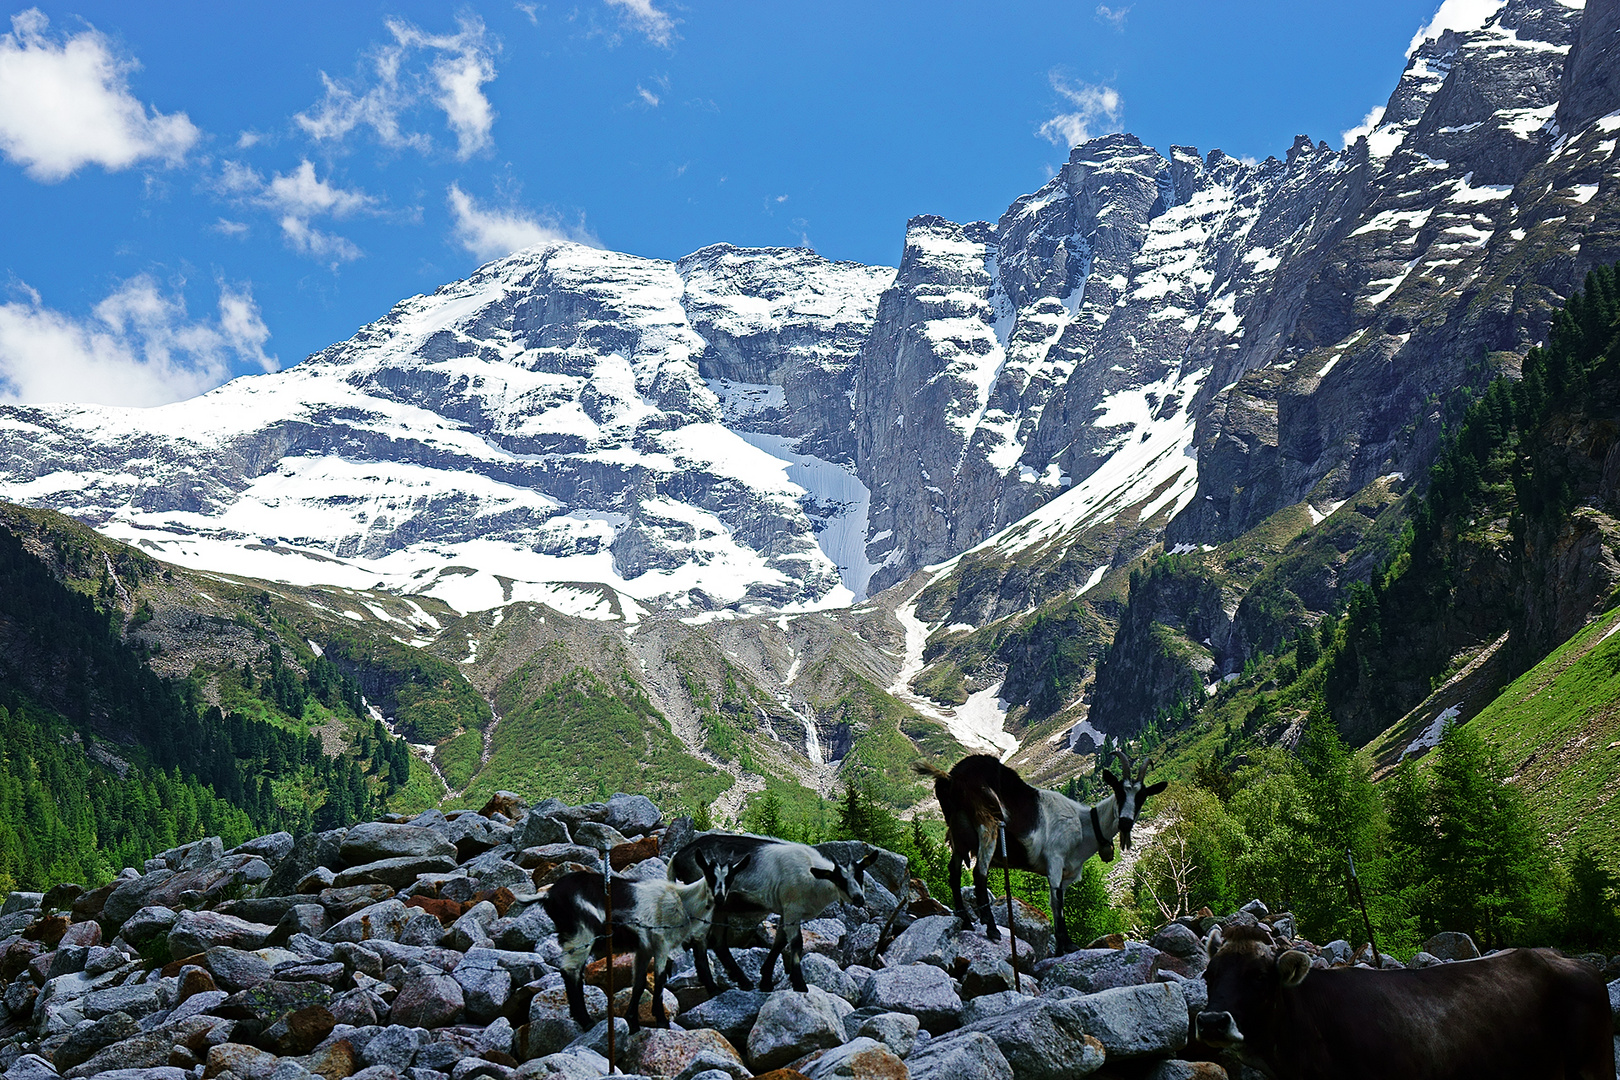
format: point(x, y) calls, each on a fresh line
point(1104, 844)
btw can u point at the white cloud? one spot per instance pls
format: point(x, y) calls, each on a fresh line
point(656, 26)
point(295, 197)
point(1096, 111)
point(647, 95)
point(489, 234)
point(138, 347)
point(66, 103)
point(1374, 117)
point(227, 227)
point(382, 100)
point(1114, 17)
point(1458, 15)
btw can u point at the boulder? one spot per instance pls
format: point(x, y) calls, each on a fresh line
point(272, 849)
point(485, 990)
point(386, 921)
point(1136, 1021)
point(394, 1046)
point(83, 1043)
point(198, 931)
point(299, 1031)
point(376, 840)
point(732, 1013)
point(428, 1001)
point(242, 1061)
point(861, 1059)
point(657, 1052)
point(551, 1027)
point(237, 969)
point(929, 940)
point(632, 815)
point(1451, 945)
point(1186, 1070)
point(822, 972)
point(397, 872)
point(1091, 970)
point(896, 1030)
point(597, 835)
point(1046, 1040)
point(147, 925)
point(138, 1000)
point(920, 989)
point(538, 830)
point(967, 1055)
point(791, 1024)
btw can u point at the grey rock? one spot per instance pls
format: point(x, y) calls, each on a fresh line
point(896, 1030)
point(137, 1000)
point(597, 835)
point(676, 835)
point(527, 930)
point(969, 1055)
point(376, 840)
point(987, 976)
point(237, 969)
point(156, 1072)
point(1186, 1070)
point(394, 1046)
point(929, 940)
point(1257, 908)
point(1337, 951)
point(858, 1059)
point(921, 989)
point(396, 872)
point(484, 991)
point(83, 1043)
point(308, 852)
point(441, 1056)
point(791, 1024)
point(732, 1013)
point(988, 1005)
point(472, 929)
point(822, 972)
point(1179, 941)
point(550, 1026)
point(379, 922)
point(537, 830)
point(67, 960)
point(272, 849)
point(632, 815)
point(1136, 1021)
point(1451, 945)
point(30, 1066)
point(1046, 1040)
point(198, 931)
point(1195, 990)
point(428, 1001)
point(492, 870)
point(308, 919)
point(1425, 960)
point(1091, 970)
point(197, 1004)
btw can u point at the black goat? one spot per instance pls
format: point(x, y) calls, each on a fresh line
point(1046, 833)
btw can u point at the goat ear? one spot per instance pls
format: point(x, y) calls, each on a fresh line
point(1110, 779)
point(1293, 966)
point(870, 858)
point(736, 867)
point(823, 875)
point(1154, 789)
point(703, 863)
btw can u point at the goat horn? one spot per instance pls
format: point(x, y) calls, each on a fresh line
point(1123, 756)
point(1147, 767)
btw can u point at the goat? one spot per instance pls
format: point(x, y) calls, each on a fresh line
point(793, 880)
point(655, 919)
point(1045, 832)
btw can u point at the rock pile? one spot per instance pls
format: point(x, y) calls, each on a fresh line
point(418, 950)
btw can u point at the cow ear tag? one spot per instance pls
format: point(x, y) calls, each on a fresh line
point(1293, 966)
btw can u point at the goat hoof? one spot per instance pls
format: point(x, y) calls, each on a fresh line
point(993, 932)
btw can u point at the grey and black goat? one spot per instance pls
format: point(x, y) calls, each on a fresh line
point(795, 881)
point(654, 919)
point(1046, 832)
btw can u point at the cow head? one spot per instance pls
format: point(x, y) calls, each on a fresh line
point(1248, 977)
point(847, 877)
point(1130, 792)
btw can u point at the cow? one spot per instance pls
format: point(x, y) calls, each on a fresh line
point(1523, 1014)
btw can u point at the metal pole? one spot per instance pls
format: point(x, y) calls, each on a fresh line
point(1362, 899)
point(1012, 934)
point(607, 890)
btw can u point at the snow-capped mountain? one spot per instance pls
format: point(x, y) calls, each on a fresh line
point(1180, 344)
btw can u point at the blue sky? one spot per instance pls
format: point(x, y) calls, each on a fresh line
point(195, 191)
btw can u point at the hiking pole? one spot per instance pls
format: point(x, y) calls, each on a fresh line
point(1012, 934)
point(607, 892)
point(1362, 899)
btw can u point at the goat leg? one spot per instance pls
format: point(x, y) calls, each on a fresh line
point(981, 892)
point(960, 902)
point(659, 979)
point(1064, 945)
point(793, 959)
point(573, 983)
point(767, 975)
point(700, 960)
point(722, 949)
point(638, 983)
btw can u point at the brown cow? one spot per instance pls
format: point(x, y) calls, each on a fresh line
point(1525, 1014)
